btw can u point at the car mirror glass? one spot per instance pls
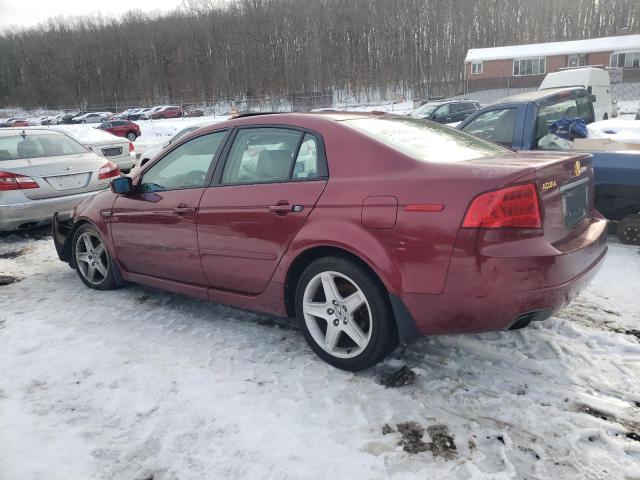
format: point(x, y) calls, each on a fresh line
point(122, 185)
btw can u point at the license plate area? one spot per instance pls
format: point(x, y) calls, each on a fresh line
point(112, 152)
point(575, 201)
point(69, 182)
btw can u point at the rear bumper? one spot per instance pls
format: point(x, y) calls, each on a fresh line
point(503, 286)
point(38, 212)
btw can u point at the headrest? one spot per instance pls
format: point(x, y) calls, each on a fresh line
point(27, 149)
point(273, 164)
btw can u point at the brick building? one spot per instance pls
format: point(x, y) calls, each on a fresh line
point(526, 65)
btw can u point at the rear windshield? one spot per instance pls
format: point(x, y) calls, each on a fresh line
point(33, 145)
point(425, 141)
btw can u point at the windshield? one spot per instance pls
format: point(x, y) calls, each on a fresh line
point(425, 141)
point(34, 145)
point(425, 110)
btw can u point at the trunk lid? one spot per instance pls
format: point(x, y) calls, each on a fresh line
point(565, 188)
point(59, 175)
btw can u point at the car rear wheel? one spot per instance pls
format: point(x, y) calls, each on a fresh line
point(345, 314)
point(91, 259)
point(131, 136)
point(629, 230)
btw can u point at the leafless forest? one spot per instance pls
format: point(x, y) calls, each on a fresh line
point(247, 48)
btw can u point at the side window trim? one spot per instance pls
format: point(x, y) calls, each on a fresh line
point(323, 167)
point(215, 160)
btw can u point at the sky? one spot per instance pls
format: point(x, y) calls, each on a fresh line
point(26, 13)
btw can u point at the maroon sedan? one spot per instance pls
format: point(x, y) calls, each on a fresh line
point(370, 229)
point(169, 111)
point(121, 128)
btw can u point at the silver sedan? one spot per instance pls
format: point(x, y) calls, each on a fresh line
point(44, 171)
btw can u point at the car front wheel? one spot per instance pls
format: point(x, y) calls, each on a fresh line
point(91, 259)
point(345, 314)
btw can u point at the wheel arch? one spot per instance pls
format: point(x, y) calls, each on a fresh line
point(404, 323)
point(306, 257)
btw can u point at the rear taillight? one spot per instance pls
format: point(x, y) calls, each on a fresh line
point(108, 170)
point(15, 181)
point(131, 148)
point(512, 207)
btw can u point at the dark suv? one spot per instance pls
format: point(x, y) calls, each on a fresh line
point(446, 111)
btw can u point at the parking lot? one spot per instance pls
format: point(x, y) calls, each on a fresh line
point(139, 383)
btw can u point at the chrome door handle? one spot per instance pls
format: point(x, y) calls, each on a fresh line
point(183, 210)
point(282, 208)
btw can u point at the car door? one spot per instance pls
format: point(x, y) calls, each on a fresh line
point(117, 128)
point(154, 228)
point(264, 191)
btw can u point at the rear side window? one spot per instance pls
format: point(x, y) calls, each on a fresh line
point(37, 146)
point(562, 107)
point(425, 141)
point(261, 155)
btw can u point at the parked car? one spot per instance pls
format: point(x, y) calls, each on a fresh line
point(520, 121)
point(92, 117)
point(357, 242)
point(148, 112)
point(16, 122)
point(447, 111)
point(194, 113)
point(43, 171)
point(594, 80)
point(168, 111)
point(122, 128)
point(65, 119)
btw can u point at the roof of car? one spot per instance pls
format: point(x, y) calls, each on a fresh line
point(535, 96)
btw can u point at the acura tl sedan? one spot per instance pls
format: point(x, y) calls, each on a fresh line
point(371, 229)
point(42, 172)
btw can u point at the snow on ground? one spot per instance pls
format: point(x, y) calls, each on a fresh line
point(138, 384)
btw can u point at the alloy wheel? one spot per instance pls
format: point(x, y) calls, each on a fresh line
point(91, 258)
point(337, 314)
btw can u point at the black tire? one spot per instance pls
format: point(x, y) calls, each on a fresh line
point(108, 281)
point(628, 230)
point(605, 116)
point(131, 136)
point(383, 337)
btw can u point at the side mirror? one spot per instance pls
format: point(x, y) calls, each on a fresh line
point(122, 185)
point(592, 98)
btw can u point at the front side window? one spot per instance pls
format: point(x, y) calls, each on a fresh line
point(495, 125)
point(443, 110)
point(261, 155)
point(529, 66)
point(185, 167)
point(15, 147)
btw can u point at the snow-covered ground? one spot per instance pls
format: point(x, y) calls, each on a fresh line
point(141, 384)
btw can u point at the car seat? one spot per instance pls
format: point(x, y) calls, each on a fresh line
point(5, 155)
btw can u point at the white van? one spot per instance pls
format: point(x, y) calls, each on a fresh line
point(595, 80)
